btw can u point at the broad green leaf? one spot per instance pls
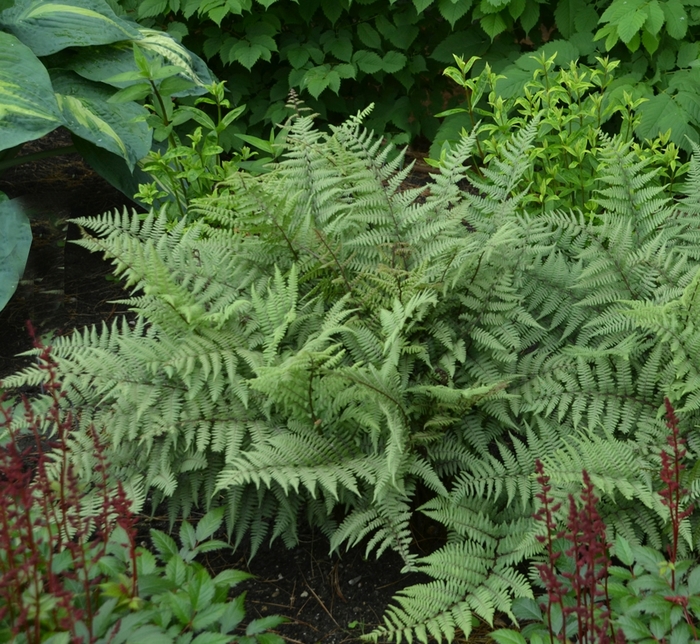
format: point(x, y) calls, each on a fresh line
point(493, 24)
point(676, 18)
point(618, 9)
point(393, 61)
point(201, 589)
point(650, 42)
point(565, 15)
point(453, 10)
point(694, 581)
point(235, 612)
point(655, 17)
point(164, 544)
point(342, 49)
point(209, 523)
point(298, 56)
point(150, 8)
point(112, 167)
point(247, 54)
point(369, 36)
point(531, 16)
point(345, 70)
point(319, 78)
point(119, 128)
point(422, 5)
point(191, 66)
point(231, 577)
point(367, 61)
point(15, 241)
point(633, 627)
point(507, 636)
point(48, 27)
point(526, 609)
point(586, 18)
point(188, 538)
point(28, 109)
point(688, 53)
point(630, 24)
point(263, 624)
point(662, 113)
point(516, 8)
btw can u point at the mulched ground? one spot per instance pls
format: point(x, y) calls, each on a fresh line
point(327, 599)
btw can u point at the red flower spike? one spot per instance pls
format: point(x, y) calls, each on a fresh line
point(38, 512)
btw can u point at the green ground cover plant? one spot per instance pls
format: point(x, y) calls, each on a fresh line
point(341, 55)
point(70, 570)
point(321, 345)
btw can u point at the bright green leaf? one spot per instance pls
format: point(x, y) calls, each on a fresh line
point(676, 18)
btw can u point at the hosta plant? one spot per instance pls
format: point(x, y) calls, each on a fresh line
point(70, 570)
point(323, 345)
point(65, 55)
point(15, 241)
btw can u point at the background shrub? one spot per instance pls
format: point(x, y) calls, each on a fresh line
point(343, 55)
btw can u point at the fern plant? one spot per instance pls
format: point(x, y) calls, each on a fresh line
point(322, 344)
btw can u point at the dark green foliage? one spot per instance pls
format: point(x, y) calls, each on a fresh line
point(322, 344)
point(346, 54)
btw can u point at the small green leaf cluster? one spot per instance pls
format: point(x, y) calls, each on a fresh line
point(576, 103)
point(182, 172)
point(178, 601)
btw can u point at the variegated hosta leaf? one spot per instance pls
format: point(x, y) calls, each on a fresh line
point(28, 107)
point(193, 67)
point(119, 128)
point(48, 27)
point(15, 240)
point(105, 62)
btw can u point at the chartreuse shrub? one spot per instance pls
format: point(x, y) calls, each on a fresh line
point(342, 55)
point(576, 103)
point(322, 345)
point(70, 570)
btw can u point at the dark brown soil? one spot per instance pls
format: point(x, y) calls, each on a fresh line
point(327, 599)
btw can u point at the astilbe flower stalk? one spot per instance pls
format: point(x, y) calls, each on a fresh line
point(587, 582)
point(42, 524)
point(672, 495)
point(585, 531)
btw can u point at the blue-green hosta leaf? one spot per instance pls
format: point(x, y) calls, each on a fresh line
point(15, 240)
point(48, 27)
point(119, 128)
point(28, 107)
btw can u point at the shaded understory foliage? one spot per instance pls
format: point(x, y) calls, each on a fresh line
point(322, 344)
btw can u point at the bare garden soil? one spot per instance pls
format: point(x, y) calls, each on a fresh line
point(326, 598)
